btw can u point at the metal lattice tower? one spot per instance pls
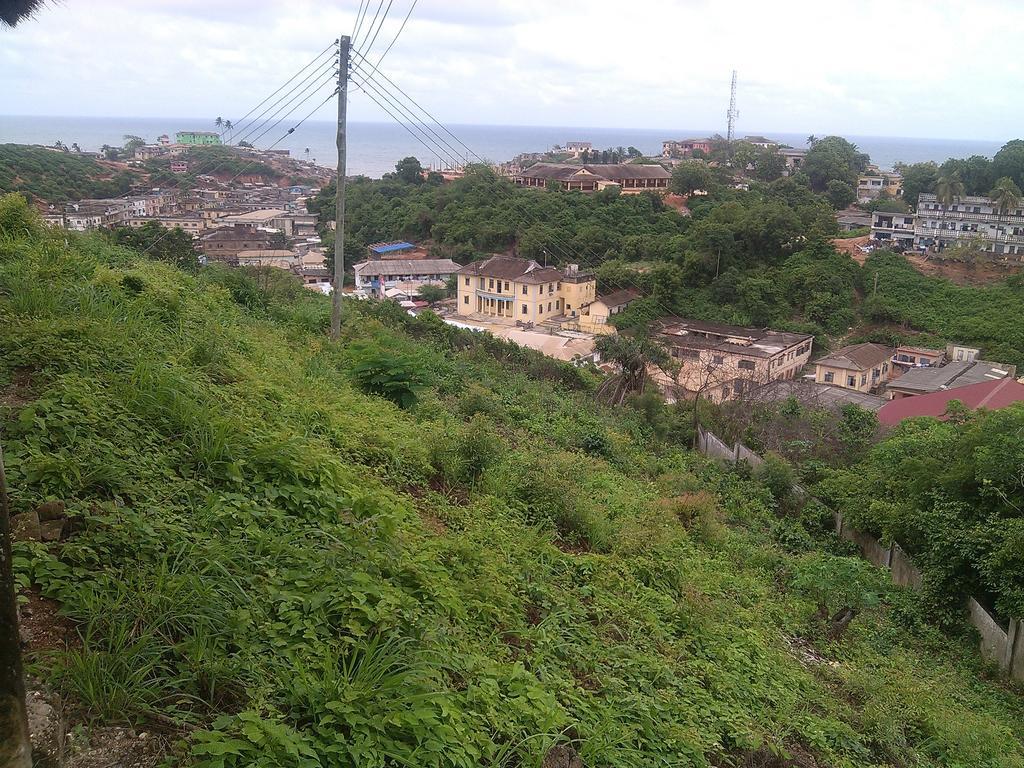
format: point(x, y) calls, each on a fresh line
point(733, 113)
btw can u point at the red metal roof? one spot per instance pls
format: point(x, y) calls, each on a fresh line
point(986, 394)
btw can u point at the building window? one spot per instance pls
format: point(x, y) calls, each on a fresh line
point(465, 299)
point(863, 379)
point(524, 309)
point(568, 305)
point(526, 291)
point(829, 377)
point(549, 306)
point(508, 286)
point(851, 381)
point(490, 283)
point(467, 281)
point(747, 365)
point(718, 359)
point(551, 287)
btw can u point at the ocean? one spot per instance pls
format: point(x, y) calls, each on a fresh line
point(374, 148)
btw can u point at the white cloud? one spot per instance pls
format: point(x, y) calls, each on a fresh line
point(907, 68)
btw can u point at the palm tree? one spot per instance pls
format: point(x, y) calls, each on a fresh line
point(229, 126)
point(1006, 195)
point(75, 147)
point(949, 188)
point(307, 154)
point(812, 140)
point(219, 122)
point(634, 357)
point(18, 10)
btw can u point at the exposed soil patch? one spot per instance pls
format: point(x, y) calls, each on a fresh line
point(17, 394)
point(43, 629)
point(981, 273)
point(120, 747)
point(851, 247)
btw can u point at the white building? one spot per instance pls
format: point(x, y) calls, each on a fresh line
point(893, 228)
point(971, 220)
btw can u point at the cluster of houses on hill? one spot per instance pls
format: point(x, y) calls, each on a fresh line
point(239, 225)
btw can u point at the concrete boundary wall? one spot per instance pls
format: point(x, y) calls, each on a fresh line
point(1004, 648)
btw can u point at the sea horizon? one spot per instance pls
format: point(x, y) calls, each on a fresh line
point(375, 147)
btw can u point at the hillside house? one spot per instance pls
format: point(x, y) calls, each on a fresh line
point(376, 277)
point(860, 367)
point(906, 358)
point(991, 395)
point(604, 307)
point(521, 290)
point(919, 381)
point(631, 178)
point(225, 243)
point(722, 362)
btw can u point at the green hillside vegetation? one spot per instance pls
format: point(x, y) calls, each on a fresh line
point(950, 493)
point(56, 177)
point(425, 547)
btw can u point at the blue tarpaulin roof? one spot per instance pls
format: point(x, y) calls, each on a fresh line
point(389, 247)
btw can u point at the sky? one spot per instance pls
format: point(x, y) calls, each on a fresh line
point(916, 68)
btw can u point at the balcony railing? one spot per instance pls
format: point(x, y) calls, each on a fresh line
point(990, 218)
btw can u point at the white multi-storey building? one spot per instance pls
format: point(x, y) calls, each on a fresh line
point(969, 219)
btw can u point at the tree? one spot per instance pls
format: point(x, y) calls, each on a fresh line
point(219, 122)
point(949, 188)
point(633, 356)
point(769, 164)
point(840, 586)
point(173, 246)
point(690, 176)
point(228, 126)
point(1009, 161)
point(432, 293)
point(811, 140)
point(833, 158)
point(76, 148)
point(1006, 195)
point(840, 194)
point(918, 178)
point(975, 172)
point(409, 170)
point(15, 746)
point(131, 143)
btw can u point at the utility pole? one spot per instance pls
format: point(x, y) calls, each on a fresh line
point(339, 209)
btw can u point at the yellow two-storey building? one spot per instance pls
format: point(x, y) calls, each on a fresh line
point(521, 290)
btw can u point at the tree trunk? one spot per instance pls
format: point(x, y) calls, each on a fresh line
point(840, 622)
point(15, 747)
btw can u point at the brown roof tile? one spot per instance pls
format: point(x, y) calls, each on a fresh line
point(509, 268)
point(857, 357)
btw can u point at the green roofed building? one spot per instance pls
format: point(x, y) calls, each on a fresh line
point(197, 138)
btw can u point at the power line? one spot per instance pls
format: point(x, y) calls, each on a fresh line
point(394, 40)
point(439, 144)
point(315, 86)
point(376, 15)
point(360, 15)
point(379, 27)
point(248, 130)
point(314, 60)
